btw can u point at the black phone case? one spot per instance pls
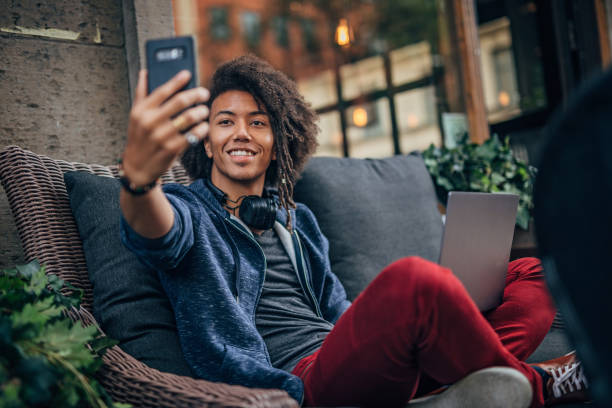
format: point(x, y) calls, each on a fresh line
point(160, 69)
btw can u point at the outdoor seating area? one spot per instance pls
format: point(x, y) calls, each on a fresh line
point(369, 113)
point(69, 222)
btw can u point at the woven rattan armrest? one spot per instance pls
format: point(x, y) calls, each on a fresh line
point(128, 380)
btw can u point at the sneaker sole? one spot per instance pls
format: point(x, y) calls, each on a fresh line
point(493, 387)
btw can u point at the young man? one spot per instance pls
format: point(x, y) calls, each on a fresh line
point(249, 277)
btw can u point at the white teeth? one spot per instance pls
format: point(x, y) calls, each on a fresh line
point(241, 153)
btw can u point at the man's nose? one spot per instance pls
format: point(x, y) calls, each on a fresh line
point(242, 131)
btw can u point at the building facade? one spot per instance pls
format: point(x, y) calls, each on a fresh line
point(391, 77)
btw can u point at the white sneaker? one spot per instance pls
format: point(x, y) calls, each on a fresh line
point(493, 387)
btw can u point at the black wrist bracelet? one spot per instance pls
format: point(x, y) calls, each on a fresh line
point(131, 187)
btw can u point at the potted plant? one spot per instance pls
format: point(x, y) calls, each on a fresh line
point(488, 167)
point(46, 359)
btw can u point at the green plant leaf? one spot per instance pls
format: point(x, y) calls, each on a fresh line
point(444, 183)
point(68, 341)
point(28, 270)
point(41, 376)
point(457, 167)
point(477, 185)
point(69, 393)
point(12, 291)
point(9, 395)
point(102, 343)
point(36, 314)
point(10, 283)
point(38, 282)
point(485, 152)
point(55, 282)
point(497, 178)
point(522, 218)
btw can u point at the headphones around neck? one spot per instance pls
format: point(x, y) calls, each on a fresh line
point(255, 211)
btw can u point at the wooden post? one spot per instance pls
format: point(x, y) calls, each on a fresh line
point(469, 58)
point(603, 30)
point(451, 92)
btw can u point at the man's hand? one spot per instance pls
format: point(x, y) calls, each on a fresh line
point(154, 140)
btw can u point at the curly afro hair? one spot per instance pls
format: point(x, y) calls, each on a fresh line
point(292, 120)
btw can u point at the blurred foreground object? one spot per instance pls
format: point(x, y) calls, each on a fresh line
point(573, 222)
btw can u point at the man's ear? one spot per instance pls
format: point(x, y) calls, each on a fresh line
point(207, 147)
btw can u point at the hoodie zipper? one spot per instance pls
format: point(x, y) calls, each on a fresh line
point(302, 271)
point(239, 228)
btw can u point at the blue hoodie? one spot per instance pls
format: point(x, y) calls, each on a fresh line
point(213, 270)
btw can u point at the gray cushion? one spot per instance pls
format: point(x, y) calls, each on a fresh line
point(555, 344)
point(129, 302)
point(373, 212)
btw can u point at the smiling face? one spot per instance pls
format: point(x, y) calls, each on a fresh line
point(240, 143)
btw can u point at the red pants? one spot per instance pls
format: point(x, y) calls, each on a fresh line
point(415, 326)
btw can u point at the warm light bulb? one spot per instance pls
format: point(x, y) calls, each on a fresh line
point(503, 98)
point(413, 121)
point(337, 139)
point(343, 33)
point(360, 117)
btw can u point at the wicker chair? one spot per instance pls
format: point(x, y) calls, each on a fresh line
point(37, 196)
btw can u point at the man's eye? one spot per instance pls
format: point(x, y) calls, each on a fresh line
point(224, 122)
point(259, 123)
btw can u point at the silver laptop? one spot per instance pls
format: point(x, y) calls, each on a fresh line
point(476, 244)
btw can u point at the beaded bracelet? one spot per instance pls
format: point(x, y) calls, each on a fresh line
point(131, 187)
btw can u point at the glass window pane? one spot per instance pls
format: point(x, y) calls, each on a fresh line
point(219, 28)
point(411, 63)
point(369, 129)
point(251, 28)
point(309, 35)
point(416, 117)
point(281, 31)
point(498, 73)
point(330, 138)
point(511, 86)
point(362, 77)
point(319, 89)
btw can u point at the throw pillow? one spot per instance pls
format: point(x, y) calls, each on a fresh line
point(128, 300)
point(373, 212)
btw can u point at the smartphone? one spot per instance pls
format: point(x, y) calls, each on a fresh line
point(166, 57)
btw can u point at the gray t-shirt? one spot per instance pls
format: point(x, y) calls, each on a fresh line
point(284, 318)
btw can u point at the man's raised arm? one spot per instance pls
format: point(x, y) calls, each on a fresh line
point(154, 142)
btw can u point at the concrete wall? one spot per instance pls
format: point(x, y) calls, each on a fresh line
point(66, 70)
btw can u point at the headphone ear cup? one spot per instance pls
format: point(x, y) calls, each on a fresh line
point(258, 212)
